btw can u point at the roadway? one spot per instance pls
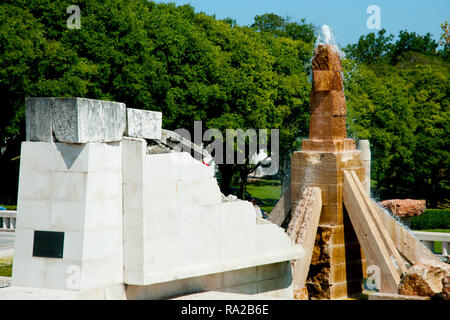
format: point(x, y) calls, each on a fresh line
point(6, 240)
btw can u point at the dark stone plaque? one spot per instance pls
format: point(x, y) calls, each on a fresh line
point(48, 244)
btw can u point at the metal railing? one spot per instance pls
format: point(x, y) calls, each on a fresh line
point(8, 220)
point(428, 239)
point(5, 282)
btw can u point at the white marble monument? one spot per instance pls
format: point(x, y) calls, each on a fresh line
point(101, 218)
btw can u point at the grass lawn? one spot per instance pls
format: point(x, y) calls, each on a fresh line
point(9, 207)
point(437, 244)
point(268, 191)
point(5, 267)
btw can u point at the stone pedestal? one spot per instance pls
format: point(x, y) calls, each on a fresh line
point(69, 223)
point(337, 266)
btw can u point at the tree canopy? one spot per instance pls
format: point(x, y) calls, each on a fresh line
point(398, 98)
point(159, 57)
point(192, 66)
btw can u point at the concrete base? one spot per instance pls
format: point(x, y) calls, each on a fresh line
point(217, 295)
point(116, 292)
point(76, 190)
point(272, 281)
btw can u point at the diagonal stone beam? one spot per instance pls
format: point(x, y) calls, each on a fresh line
point(302, 230)
point(374, 248)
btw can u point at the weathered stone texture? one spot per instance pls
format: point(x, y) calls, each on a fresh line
point(74, 120)
point(324, 80)
point(38, 120)
point(318, 282)
point(337, 265)
point(325, 171)
point(328, 103)
point(301, 294)
point(143, 124)
point(328, 145)
point(426, 279)
point(404, 207)
point(302, 229)
point(327, 127)
point(326, 58)
point(446, 287)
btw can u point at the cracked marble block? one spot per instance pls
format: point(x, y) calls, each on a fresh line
point(144, 124)
point(74, 120)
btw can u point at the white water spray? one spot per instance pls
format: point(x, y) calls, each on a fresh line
point(325, 35)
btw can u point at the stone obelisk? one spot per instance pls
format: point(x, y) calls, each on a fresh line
point(337, 266)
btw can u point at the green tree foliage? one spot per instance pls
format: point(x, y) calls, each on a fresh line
point(429, 98)
point(152, 56)
point(445, 36)
point(431, 219)
point(398, 98)
point(411, 42)
point(269, 22)
point(22, 43)
point(379, 48)
point(370, 48)
point(192, 66)
point(378, 110)
point(291, 43)
point(285, 27)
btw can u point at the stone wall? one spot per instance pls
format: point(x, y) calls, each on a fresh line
point(176, 225)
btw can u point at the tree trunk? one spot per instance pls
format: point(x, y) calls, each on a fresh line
point(434, 196)
point(244, 172)
point(226, 172)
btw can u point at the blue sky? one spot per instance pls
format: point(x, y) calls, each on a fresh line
point(346, 17)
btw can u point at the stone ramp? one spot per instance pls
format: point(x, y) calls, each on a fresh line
point(404, 240)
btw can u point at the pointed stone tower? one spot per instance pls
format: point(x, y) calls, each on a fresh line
point(337, 265)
